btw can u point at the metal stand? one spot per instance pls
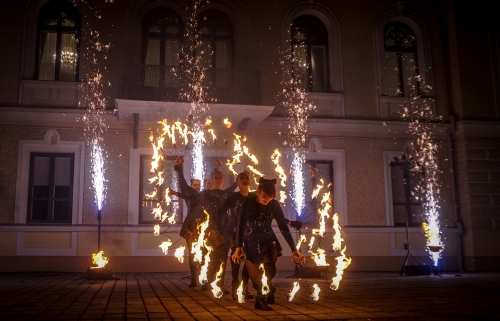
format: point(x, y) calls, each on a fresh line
point(99, 231)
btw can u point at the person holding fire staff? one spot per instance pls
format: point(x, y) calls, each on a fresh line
point(233, 204)
point(209, 201)
point(189, 229)
point(256, 241)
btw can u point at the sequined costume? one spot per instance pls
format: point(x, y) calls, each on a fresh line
point(255, 233)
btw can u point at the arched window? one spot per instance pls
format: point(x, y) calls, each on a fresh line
point(400, 62)
point(217, 35)
point(58, 41)
point(162, 31)
point(310, 51)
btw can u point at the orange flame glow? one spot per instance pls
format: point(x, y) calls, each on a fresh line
point(216, 290)
point(239, 292)
point(157, 230)
point(165, 245)
point(300, 241)
point(227, 123)
point(99, 259)
point(315, 294)
point(179, 253)
point(265, 287)
point(319, 257)
point(292, 293)
point(342, 264)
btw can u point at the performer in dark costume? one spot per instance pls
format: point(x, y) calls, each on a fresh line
point(256, 242)
point(209, 201)
point(189, 229)
point(233, 204)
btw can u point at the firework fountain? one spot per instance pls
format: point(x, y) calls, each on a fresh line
point(424, 162)
point(95, 130)
point(294, 101)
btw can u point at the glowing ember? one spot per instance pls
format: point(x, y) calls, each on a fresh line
point(319, 257)
point(292, 293)
point(227, 123)
point(165, 245)
point(239, 292)
point(157, 230)
point(265, 287)
point(216, 290)
point(315, 295)
point(300, 241)
point(179, 253)
point(342, 264)
point(99, 259)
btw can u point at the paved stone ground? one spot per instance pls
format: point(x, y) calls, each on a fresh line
point(166, 296)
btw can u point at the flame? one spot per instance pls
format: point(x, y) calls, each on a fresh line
point(337, 237)
point(227, 123)
point(196, 247)
point(282, 197)
point(265, 287)
point(179, 253)
point(315, 294)
point(99, 259)
point(302, 239)
point(239, 292)
point(236, 157)
point(323, 214)
point(311, 242)
point(278, 169)
point(211, 131)
point(342, 264)
point(203, 277)
point(216, 290)
point(292, 293)
point(208, 122)
point(318, 188)
point(165, 245)
point(157, 230)
point(319, 257)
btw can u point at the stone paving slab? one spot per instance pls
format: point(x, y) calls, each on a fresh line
point(166, 296)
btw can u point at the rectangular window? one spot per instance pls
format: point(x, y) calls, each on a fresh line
point(406, 204)
point(314, 171)
point(318, 65)
point(170, 180)
point(50, 197)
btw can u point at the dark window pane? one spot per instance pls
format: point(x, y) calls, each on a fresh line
point(62, 192)
point(62, 210)
point(40, 210)
point(40, 191)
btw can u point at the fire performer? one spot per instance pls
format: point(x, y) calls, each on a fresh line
point(209, 200)
point(256, 241)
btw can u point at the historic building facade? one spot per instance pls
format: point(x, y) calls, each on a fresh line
point(363, 61)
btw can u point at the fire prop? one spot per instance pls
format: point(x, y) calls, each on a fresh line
point(239, 292)
point(315, 295)
point(241, 150)
point(99, 259)
point(292, 293)
point(216, 290)
point(424, 161)
point(294, 100)
point(342, 261)
point(281, 174)
point(179, 253)
point(165, 245)
point(265, 287)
